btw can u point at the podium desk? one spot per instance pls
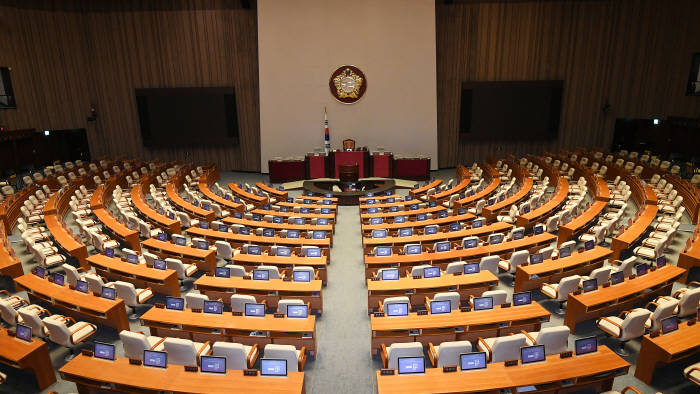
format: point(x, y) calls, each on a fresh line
point(359, 157)
point(666, 349)
point(418, 289)
point(381, 164)
point(316, 166)
point(532, 276)
point(414, 168)
point(94, 375)
point(202, 327)
point(81, 306)
point(205, 259)
point(272, 290)
point(285, 264)
point(457, 325)
point(140, 275)
point(286, 170)
point(596, 371)
point(626, 295)
point(32, 356)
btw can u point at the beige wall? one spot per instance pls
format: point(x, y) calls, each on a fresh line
point(302, 42)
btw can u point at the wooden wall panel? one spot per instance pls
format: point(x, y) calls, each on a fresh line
point(67, 55)
point(634, 54)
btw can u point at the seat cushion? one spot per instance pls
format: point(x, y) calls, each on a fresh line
point(83, 331)
point(152, 340)
point(190, 269)
point(54, 259)
point(550, 291)
point(142, 297)
point(205, 349)
point(610, 327)
point(504, 265)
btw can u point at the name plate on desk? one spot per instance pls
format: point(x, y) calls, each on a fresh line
point(159, 305)
point(422, 313)
point(457, 273)
point(287, 279)
point(307, 335)
point(511, 363)
point(87, 352)
point(378, 314)
point(413, 332)
point(134, 361)
point(416, 277)
point(197, 310)
point(465, 309)
point(191, 368)
point(505, 305)
point(250, 372)
point(237, 313)
point(375, 278)
point(247, 277)
point(386, 372)
point(279, 315)
point(502, 325)
point(566, 354)
point(449, 368)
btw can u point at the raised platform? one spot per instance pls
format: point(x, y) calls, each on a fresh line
point(349, 193)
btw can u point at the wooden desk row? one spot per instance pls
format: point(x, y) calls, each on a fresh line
point(645, 198)
point(237, 240)
point(594, 371)
point(278, 226)
point(272, 291)
point(490, 212)
point(367, 228)
point(202, 327)
point(205, 259)
point(424, 189)
point(272, 212)
point(457, 325)
point(279, 194)
point(54, 210)
point(285, 264)
point(204, 183)
point(81, 306)
point(10, 265)
point(160, 281)
point(171, 226)
point(418, 289)
point(666, 349)
point(547, 209)
point(690, 255)
point(10, 208)
point(191, 209)
point(447, 193)
point(31, 356)
point(95, 375)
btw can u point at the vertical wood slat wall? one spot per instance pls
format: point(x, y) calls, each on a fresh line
point(634, 53)
point(71, 54)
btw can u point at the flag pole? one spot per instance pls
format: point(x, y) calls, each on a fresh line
point(326, 130)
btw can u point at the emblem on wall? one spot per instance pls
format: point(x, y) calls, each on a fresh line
point(348, 84)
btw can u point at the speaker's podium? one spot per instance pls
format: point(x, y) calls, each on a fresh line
point(359, 157)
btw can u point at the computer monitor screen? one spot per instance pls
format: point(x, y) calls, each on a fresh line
point(273, 367)
point(406, 232)
point(641, 269)
point(660, 261)
point(586, 345)
point(109, 293)
point(413, 249)
point(298, 311)
point(421, 217)
point(301, 276)
point(532, 354)
point(482, 303)
point(266, 207)
point(536, 258)
point(261, 275)
point(322, 222)
point(471, 243)
point(383, 251)
point(40, 272)
point(162, 237)
point(432, 204)
point(471, 361)
point(326, 202)
point(526, 209)
point(390, 274)
point(399, 309)
point(308, 201)
point(438, 307)
point(564, 252)
point(413, 207)
point(175, 303)
point(411, 365)
point(590, 285)
point(254, 249)
point(195, 203)
point(669, 324)
point(431, 230)
point(81, 286)
point(257, 217)
point(159, 264)
point(372, 210)
point(400, 219)
point(455, 226)
point(501, 197)
point(213, 364)
point(238, 215)
point(391, 200)
point(588, 245)
point(222, 272)
point(461, 211)
point(523, 298)
point(304, 210)
point(203, 245)
point(59, 279)
point(204, 225)
point(132, 258)
point(495, 239)
point(152, 358)
point(375, 221)
point(24, 332)
point(538, 230)
point(109, 252)
point(180, 241)
point(293, 233)
point(379, 233)
point(518, 235)
point(104, 351)
point(431, 272)
point(325, 211)
point(471, 268)
point(318, 234)
point(314, 252)
point(268, 232)
point(171, 215)
point(491, 201)
point(328, 195)
point(285, 209)
point(277, 219)
point(617, 277)
point(442, 246)
point(255, 310)
point(213, 307)
point(442, 214)
point(206, 207)
point(244, 231)
point(284, 251)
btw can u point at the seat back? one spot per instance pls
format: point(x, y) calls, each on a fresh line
point(180, 351)
point(237, 270)
point(176, 264)
point(282, 304)
point(223, 250)
point(688, 303)
point(273, 271)
point(72, 275)
point(555, 339)
point(235, 353)
point(127, 292)
point(285, 352)
point(546, 252)
point(633, 324)
point(448, 352)
point(499, 296)
point(195, 300)
point(395, 300)
point(95, 283)
point(134, 344)
point(490, 263)
point(507, 348)
point(410, 349)
point(664, 310)
point(518, 258)
point(566, 286)
point(455, 266)
point(58, 331)
point(451, 296)
point(7, 312)
point(601, 274)
point(238, 302)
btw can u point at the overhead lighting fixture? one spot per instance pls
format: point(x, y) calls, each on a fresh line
point(656, 121)
point(47, 132)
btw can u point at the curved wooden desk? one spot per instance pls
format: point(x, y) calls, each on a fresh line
point(160, 281)
point(198, 212)
point(278, 226)
point(484, 193)
point(285, 264)
point(54, 210)
point(240, 239)
point(690, 255)
point(330, 216)
point(205, 259)
point(457, 236)
point(10, 265)
point(365, 216)
point(246, 196)
point(666, 349)
point(645, 198)
point(171, 226)
point(547, 209)
point(367, 228)
point(490, 212)
point(456, 189)
point(423, 189)
point(279, 194)
point(32, 356)
point(10, 208)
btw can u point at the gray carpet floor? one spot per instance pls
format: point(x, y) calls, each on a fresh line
point(343, 363)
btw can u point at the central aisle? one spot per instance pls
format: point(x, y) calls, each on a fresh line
point(344, 363)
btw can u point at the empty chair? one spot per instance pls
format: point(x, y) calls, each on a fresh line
point(515, 260)
point(312, 274)
point(195, 300)
point(419, 270)
point(477, 209)
point(296, 359)
point(72, 274)
point(552, 223)
point(135, 343)
point(390, 355)
point(183, 270)
point(555, 339)
point(69, 336)
point(451, 296)
point(282, 304)
point(455, 266)
point(132, 296)
point(560, 291)
point(236, 270)
point(96, 282)
point(237, 356)
point(601, 275)
point(499, 296)
point(384, 305)
point(626, 265)
point(9, 311)
point(490, 263)
point(184, 351)
point(238, 302)
point(273, 271)
point(628, 325)
point(447, 353)
point(663, 307)
point(688, 299)
point(500, 349)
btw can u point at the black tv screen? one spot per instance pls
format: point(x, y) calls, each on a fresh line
point(510, 109)
point(187, 116)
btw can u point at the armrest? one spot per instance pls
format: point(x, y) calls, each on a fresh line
point(488, 348)
point(302, 359)
point(264, 302)
point(408, 273)
point(656, 305)
point(155, 345)
point(432, 354)
point(381, 306)
point(69, 319)
point(385, 356)
point(556, 291)
point(694, 283)
point(634, 389)
point(204, 346)
point(7, 293)
point(253, 355)
point(94, 330)
point(623, 314)
point(316, 275)
point(613, 323)
point(427, 303)
point(534, 342)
